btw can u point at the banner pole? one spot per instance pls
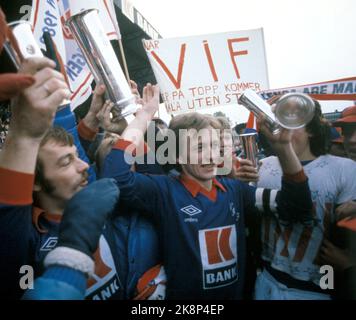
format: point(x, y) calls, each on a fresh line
point(118, 33)
point(159, 116)
point(124, 61)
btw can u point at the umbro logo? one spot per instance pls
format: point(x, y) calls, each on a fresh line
point(50, 243)
point(191, 210)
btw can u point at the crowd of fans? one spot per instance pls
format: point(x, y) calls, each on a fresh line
point(96, 212)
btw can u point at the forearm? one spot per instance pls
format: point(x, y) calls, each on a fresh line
point(136, 129)
point(289, 161)
point(294, 202)
point(91, 121)
point(19, 153)
point(137, 190)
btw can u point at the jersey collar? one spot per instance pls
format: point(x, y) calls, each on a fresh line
point(194, 187)
point(38, 212)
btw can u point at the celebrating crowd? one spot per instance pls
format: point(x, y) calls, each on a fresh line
point(109, 209)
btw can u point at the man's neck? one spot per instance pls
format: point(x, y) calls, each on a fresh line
point(50, 205)
point(206, 184)
point(306, 155)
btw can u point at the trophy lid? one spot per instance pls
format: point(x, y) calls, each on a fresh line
point(294, 110)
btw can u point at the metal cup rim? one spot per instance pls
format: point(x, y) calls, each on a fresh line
point(16, 23)
point(81, 13)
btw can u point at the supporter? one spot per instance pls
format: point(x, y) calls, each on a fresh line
point(347, 123)
point(71, 263)
point(54, 183)
point(135, 236)
point(32, 114)
point(291, 253)
point(337, 144)
point(341, 252)
point(237, 168)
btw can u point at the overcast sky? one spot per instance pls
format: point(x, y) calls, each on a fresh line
point(306, 41)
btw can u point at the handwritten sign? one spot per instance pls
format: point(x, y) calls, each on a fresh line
point(208, 71)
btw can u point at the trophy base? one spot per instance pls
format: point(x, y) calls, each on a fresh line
point(125, 107)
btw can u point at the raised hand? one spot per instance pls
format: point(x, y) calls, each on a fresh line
point(346, 210)
point(91, 120)
point(108, 121)
point(284, 137)
point(340, 259)
point(282, 145)
point(34, 108)
point(33, 111)
point(150, 99)
point(135, 92)
point(246, 171)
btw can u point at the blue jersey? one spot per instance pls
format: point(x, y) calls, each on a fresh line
point(202, 235)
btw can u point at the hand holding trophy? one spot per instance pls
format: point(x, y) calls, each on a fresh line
point(91, 38)
point(291, 111)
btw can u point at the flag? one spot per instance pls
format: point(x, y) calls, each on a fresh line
point(51, 16)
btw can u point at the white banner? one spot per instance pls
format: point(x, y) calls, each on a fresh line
point(50, 16)
point(340, 89)
point(208, 71)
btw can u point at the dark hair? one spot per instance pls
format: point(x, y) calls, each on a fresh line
point(159, 121)
point(59, 136)
point(320, 131)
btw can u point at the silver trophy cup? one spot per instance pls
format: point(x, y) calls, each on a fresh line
point(99, 54)
point(250, 148)
point(26, 42)
point(28, 46)
point(292, 111)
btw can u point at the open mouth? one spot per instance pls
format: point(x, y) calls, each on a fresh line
point(84, 183)
point(208, 166)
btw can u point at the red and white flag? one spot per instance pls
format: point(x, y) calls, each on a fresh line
point(50, 16)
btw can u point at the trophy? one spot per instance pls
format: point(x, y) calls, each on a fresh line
point(26, 43)
point(91, 38)
point(28, 47)
point(250, 148)
point(292, 110)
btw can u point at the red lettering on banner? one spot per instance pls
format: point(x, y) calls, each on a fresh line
point(236, 53)
point(210, 60)
point(66, 31)
point(150, 45)
point(176, 82)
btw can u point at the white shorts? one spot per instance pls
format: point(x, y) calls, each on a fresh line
point(268, 288)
